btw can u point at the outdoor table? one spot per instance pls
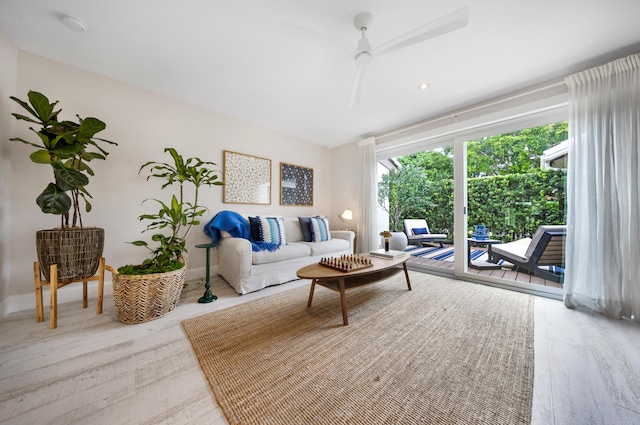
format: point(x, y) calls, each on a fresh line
point(484, 265)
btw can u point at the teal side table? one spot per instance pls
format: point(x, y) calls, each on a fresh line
point(208, 297)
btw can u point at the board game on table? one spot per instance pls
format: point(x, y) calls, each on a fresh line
point(339, 281)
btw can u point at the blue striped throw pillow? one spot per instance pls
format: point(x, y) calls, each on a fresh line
point(272, 230)
point(320, 229)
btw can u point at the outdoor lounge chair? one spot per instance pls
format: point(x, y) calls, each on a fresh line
point(538, 255)
point(417, 231)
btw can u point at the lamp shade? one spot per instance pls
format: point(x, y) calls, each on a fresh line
point(347, 214)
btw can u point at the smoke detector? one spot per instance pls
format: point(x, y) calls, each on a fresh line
point(75, 24)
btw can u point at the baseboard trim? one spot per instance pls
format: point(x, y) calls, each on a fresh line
point(73, 292)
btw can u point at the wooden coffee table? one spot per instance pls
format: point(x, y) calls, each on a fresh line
point(340, 281)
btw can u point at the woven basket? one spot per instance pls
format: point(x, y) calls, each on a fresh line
point(76, 251)
point(141, 298)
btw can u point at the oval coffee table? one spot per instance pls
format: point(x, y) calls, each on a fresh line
point(340, 281)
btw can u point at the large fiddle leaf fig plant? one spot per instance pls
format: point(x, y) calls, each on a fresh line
point(67, 147)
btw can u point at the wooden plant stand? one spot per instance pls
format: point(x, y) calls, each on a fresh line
point(54, 285)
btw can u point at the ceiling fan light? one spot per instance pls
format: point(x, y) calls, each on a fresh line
point(363, 59)
point(75, 24)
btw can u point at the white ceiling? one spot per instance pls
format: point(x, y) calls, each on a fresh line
point(232, 56)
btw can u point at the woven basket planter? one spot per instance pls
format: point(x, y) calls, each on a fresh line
point(141, 298)
point(76, 251)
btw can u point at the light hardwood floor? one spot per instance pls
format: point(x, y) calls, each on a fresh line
point(94, 370)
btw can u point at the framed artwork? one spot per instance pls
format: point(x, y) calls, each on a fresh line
point(247, 179)
point(296, 185)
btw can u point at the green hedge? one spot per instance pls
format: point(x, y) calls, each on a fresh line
point(511, 206)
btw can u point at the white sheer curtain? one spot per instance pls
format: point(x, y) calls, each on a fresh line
point(368, 238)
point(603, 189)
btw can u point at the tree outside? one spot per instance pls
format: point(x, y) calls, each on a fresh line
point(402, 191)
point(507, 190)
point(513, 153)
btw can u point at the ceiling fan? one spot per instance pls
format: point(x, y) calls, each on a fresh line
point(364, 53)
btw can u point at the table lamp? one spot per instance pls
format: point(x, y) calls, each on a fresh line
point(345, 217)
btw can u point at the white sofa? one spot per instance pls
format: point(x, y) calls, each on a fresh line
point(247, 271)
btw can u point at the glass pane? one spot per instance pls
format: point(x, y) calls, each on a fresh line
point(515, 184)
point(416, 194)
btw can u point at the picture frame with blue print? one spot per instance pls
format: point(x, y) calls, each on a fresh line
point(296, 185)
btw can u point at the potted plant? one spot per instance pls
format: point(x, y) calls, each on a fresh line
point(386, 235)
point(151, 289)
point(66, 147)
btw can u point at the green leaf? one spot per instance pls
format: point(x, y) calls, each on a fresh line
point(82, 166)
point(19, 139)
point(175, 205)
point(48, 140)
point(68, 178)
point(89, 127)
point(88, 156)
point(87, 204)
point(41, 157)
point(25, 105)
point(54, 200)
point(67, 151)
point(25, 118)
point(41, 105)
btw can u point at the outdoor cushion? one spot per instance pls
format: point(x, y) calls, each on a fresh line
point(546, 248)
point(516, 249)
point(420, 231)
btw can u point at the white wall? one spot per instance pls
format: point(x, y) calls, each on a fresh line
point(347, 173)
point(143, 123)
point(9, 61)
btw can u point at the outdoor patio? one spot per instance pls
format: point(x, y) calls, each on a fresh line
point(503, 273)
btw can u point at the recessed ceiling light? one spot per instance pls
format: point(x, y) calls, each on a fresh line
point(74, 23)
point(423, 86)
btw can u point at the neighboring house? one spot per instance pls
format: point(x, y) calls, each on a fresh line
point(555, 157)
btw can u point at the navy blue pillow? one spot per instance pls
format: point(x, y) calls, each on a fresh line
point(420, 231)
point(305, 225)
point(254, 225)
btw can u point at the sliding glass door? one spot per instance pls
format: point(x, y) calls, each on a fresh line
point(513, 183)
point(479, 194)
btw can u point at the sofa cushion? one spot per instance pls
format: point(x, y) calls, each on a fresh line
point(292, 229)
point(272, 230)
point(320, 229)
point(305, 226)
point(254, 226)
point(284, 252)
point(329, 247)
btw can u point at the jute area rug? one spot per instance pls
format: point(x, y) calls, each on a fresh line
point(447, 352)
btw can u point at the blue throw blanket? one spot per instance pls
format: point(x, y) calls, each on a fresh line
point(236, 225)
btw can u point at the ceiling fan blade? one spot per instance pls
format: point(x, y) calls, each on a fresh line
point(447, 23)
point(312, 36)
point(362, 63)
